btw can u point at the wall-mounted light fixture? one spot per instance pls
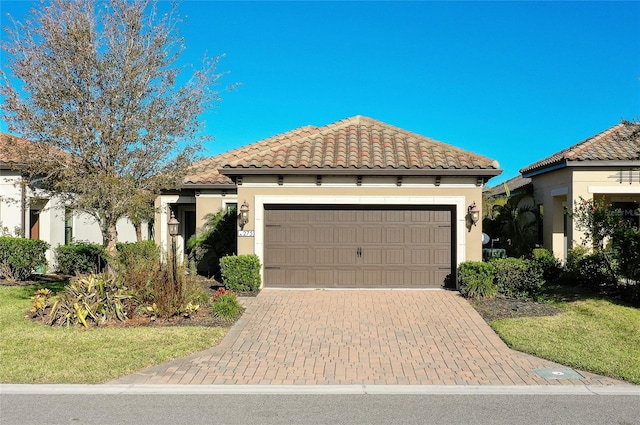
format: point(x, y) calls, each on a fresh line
point(473, 214)
point(243, 217)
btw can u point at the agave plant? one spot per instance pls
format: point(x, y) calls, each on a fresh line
point(95, 299)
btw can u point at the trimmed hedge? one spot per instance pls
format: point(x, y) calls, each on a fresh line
point(20, 256)
point(80, 257)
point(476, 279)
point(517, 277)
point(241, 272)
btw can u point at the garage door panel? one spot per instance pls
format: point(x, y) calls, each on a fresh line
point(367, 247)
point(372, 216)
point(420, 277)
point(371, 256)
point(324, 277)
point(346, 216)
point(276, 256)
point(347, 235)
point(394, 256)
point(299, 216)
point(299, 235)
point(443, 217)
point(299, 256)
point(276, 234)
point(420, 235)
point(323, 234)
point(395, 235)
point(323, 216)
point(441, 235)
point(347, 255)
point(346, 278)
point(394, 277)
point(275, 275)
point(420, 256)
point(372, 234)
point(324, 255)
point(441, 257)
point(372, 278)
point(394, 216)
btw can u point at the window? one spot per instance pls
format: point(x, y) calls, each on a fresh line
point(68, 226)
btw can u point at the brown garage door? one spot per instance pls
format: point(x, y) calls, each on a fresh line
point(352, 246)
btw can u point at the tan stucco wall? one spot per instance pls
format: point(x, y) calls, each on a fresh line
point(211, 202)
point(260, 190)
point(565, 186)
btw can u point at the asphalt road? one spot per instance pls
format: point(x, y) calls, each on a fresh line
point(265, 409)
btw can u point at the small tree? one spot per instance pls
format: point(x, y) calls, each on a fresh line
point(99, 81)
point(596, 219)
point(517, 221)
point(215, 240)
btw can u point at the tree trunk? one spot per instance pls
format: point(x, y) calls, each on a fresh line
point(111, 237)
point(138, 226)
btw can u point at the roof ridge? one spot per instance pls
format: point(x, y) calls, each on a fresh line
point(577, 149)
point(608, 144)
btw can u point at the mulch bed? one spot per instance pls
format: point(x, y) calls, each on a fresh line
point(509, 308)
point(490, 309)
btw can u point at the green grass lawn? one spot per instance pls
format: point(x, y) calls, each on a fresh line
point(35, 353)
point(594, 335)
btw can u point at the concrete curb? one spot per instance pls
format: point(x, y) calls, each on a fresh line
point(363, 389)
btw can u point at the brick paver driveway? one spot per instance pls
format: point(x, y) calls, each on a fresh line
point(358, 337)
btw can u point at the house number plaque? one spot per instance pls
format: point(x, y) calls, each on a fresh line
point(246, 233)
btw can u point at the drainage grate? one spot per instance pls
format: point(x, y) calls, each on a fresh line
point(559, 373)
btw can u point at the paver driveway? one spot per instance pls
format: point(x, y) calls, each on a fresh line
point(358, 337)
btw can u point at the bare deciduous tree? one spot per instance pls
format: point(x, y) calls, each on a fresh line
point(100, 81)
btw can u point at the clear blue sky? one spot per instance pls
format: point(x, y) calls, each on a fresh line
point(515, 81)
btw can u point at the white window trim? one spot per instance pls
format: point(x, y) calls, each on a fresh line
point(627, 189)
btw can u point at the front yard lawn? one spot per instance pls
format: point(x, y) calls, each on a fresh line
point(33, 353)
point(591, 334)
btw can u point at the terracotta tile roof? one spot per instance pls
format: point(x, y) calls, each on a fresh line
point(14, 149)
point(618, 143)
point(10, 150)
point(357, 143)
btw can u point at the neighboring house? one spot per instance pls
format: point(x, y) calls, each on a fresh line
point(515, 186)
point(605, 165)
point(356, 203)
point(514, 198)
point(26, 211)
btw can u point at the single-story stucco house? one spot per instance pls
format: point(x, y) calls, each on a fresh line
point(356, 203)
point(26, 211)
point(606, 165)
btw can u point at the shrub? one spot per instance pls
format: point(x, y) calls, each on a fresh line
point(593, 271)
point(551, 267)
point(626, 250)
point(129, 253)
point(517, 277)
point(241, 272)
point(91, 300)
point(575, 255)
point(80, 258)
point(225, 305)
point(476, 279)
point(19, 257)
